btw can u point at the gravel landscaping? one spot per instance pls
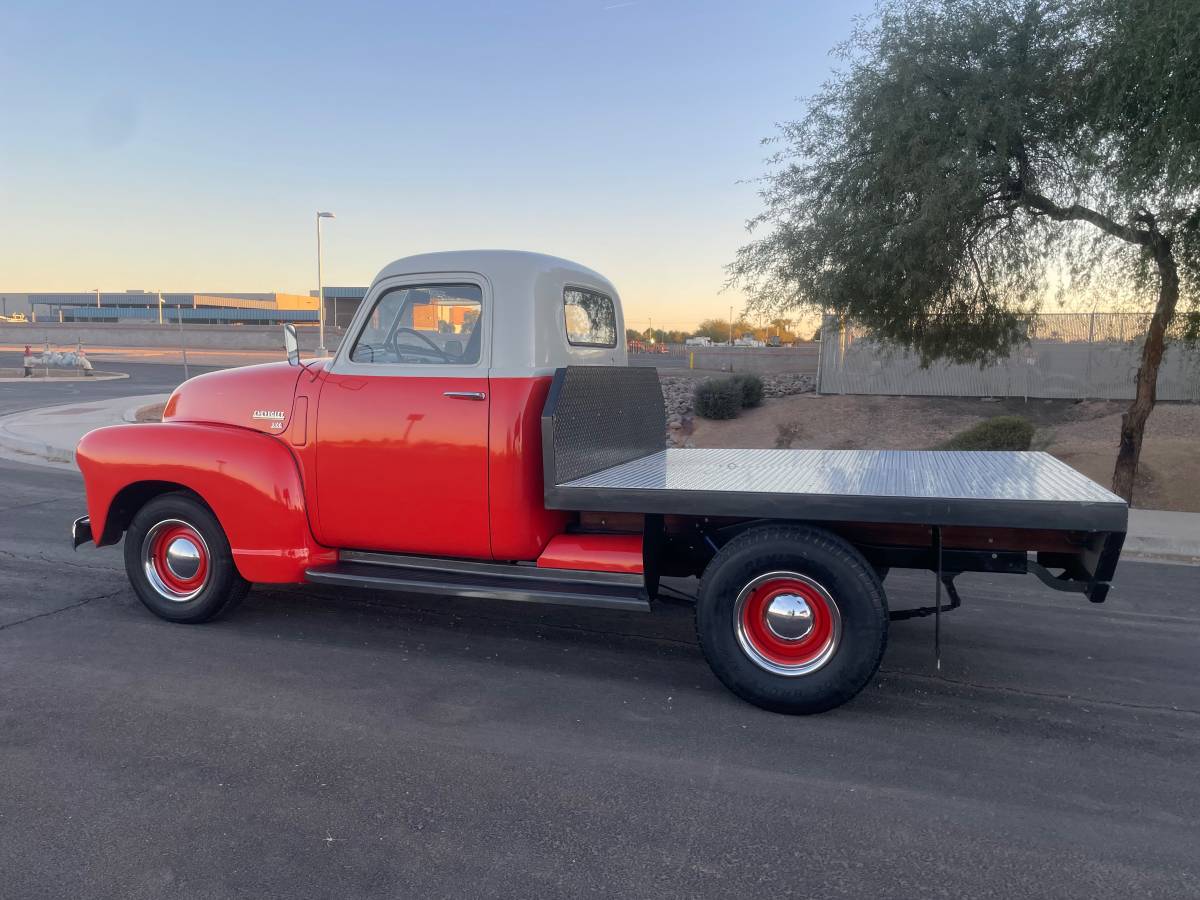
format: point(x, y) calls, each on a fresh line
point(677, 398)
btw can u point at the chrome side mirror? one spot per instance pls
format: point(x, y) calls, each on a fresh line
point(291, 344)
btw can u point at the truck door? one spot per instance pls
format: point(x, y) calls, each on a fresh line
point(402, 424)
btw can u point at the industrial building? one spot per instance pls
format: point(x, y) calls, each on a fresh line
point(341, 303)
point(201, 308)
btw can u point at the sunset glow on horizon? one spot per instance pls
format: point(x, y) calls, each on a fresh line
point(157, 147)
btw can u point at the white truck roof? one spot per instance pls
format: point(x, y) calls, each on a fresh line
point(524, 316)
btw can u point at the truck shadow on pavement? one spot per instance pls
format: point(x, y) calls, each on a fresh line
point(508, 649)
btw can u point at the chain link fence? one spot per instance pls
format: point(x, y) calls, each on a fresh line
point(801, 358)
point(1072, 356)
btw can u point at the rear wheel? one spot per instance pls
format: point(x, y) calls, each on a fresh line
point(179, 562)
point(792, 618)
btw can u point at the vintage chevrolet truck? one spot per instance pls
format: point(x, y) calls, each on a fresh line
point(478, 433)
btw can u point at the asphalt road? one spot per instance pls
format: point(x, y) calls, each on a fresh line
point(317, 744)
point(144, 378)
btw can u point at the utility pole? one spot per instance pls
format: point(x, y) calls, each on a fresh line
point(731, 326)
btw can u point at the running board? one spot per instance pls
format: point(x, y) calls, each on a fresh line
point(455, 578)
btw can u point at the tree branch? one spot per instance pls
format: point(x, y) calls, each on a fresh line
point(1079, 213)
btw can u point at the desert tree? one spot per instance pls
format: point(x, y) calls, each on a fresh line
point(972, 158)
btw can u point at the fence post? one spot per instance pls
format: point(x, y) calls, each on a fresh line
point(1091, 343)
point(821, 351)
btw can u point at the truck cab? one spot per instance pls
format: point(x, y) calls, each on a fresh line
point(438, 389)
point(479, 433)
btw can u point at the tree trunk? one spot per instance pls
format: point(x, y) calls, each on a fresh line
point(1133, 423)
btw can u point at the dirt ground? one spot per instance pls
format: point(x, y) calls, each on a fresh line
point(1081, 433)
point(152, 413)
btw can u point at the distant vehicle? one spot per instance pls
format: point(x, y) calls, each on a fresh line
point(15, 317)
point(748, 340)
point(774, 341)
point(701, 341)
point(636, 347)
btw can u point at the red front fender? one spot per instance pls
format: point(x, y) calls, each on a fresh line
point(248, 479)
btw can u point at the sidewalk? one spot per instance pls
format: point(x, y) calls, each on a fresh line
point(1162, 534)
point(47, 437)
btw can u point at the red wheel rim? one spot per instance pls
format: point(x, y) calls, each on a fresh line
point(175, 559)
point(787, 623)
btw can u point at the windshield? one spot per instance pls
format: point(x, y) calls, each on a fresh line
point(423, 325)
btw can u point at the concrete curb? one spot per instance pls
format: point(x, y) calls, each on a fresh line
point(66, 379)
point(50, 443)
point(1165, 535)
point(35, 452)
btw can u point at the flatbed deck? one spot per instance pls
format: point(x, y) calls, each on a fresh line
point(930, 487)
point(602, 444)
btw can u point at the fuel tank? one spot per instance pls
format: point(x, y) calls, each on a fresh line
point(258, 397)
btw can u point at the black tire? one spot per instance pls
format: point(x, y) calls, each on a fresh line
point(214, 588)
point(857, 633)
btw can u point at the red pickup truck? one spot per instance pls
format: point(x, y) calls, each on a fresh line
point(479, 434)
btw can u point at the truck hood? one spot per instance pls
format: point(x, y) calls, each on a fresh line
point(258, 397)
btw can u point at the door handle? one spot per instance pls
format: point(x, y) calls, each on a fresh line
point(465, 395)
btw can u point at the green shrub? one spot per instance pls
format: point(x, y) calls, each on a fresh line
point(1000, 433)
point(752, 390)
point(718, 398)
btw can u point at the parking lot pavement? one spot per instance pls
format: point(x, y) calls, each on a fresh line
point(322, 745)
point(144, 378)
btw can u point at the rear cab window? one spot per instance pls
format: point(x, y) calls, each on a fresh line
point(591, 318)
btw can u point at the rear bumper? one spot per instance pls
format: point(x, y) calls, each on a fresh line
point(81, 531)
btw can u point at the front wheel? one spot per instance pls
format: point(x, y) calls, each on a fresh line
point(179, 562)
point(792, 618)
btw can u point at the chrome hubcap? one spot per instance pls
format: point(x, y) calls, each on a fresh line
point(787, 623)
point(789, 617)
point(175, 560)
point(183, 558)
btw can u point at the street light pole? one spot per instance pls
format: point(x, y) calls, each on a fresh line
point(321, 351)
point(182, 341)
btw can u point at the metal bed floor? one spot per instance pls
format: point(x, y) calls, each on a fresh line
point(1016, 489)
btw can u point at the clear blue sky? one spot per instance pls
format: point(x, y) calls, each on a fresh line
point(186, 147)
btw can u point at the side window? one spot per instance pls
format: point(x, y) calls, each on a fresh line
point(591, 319)
point(428, 324)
